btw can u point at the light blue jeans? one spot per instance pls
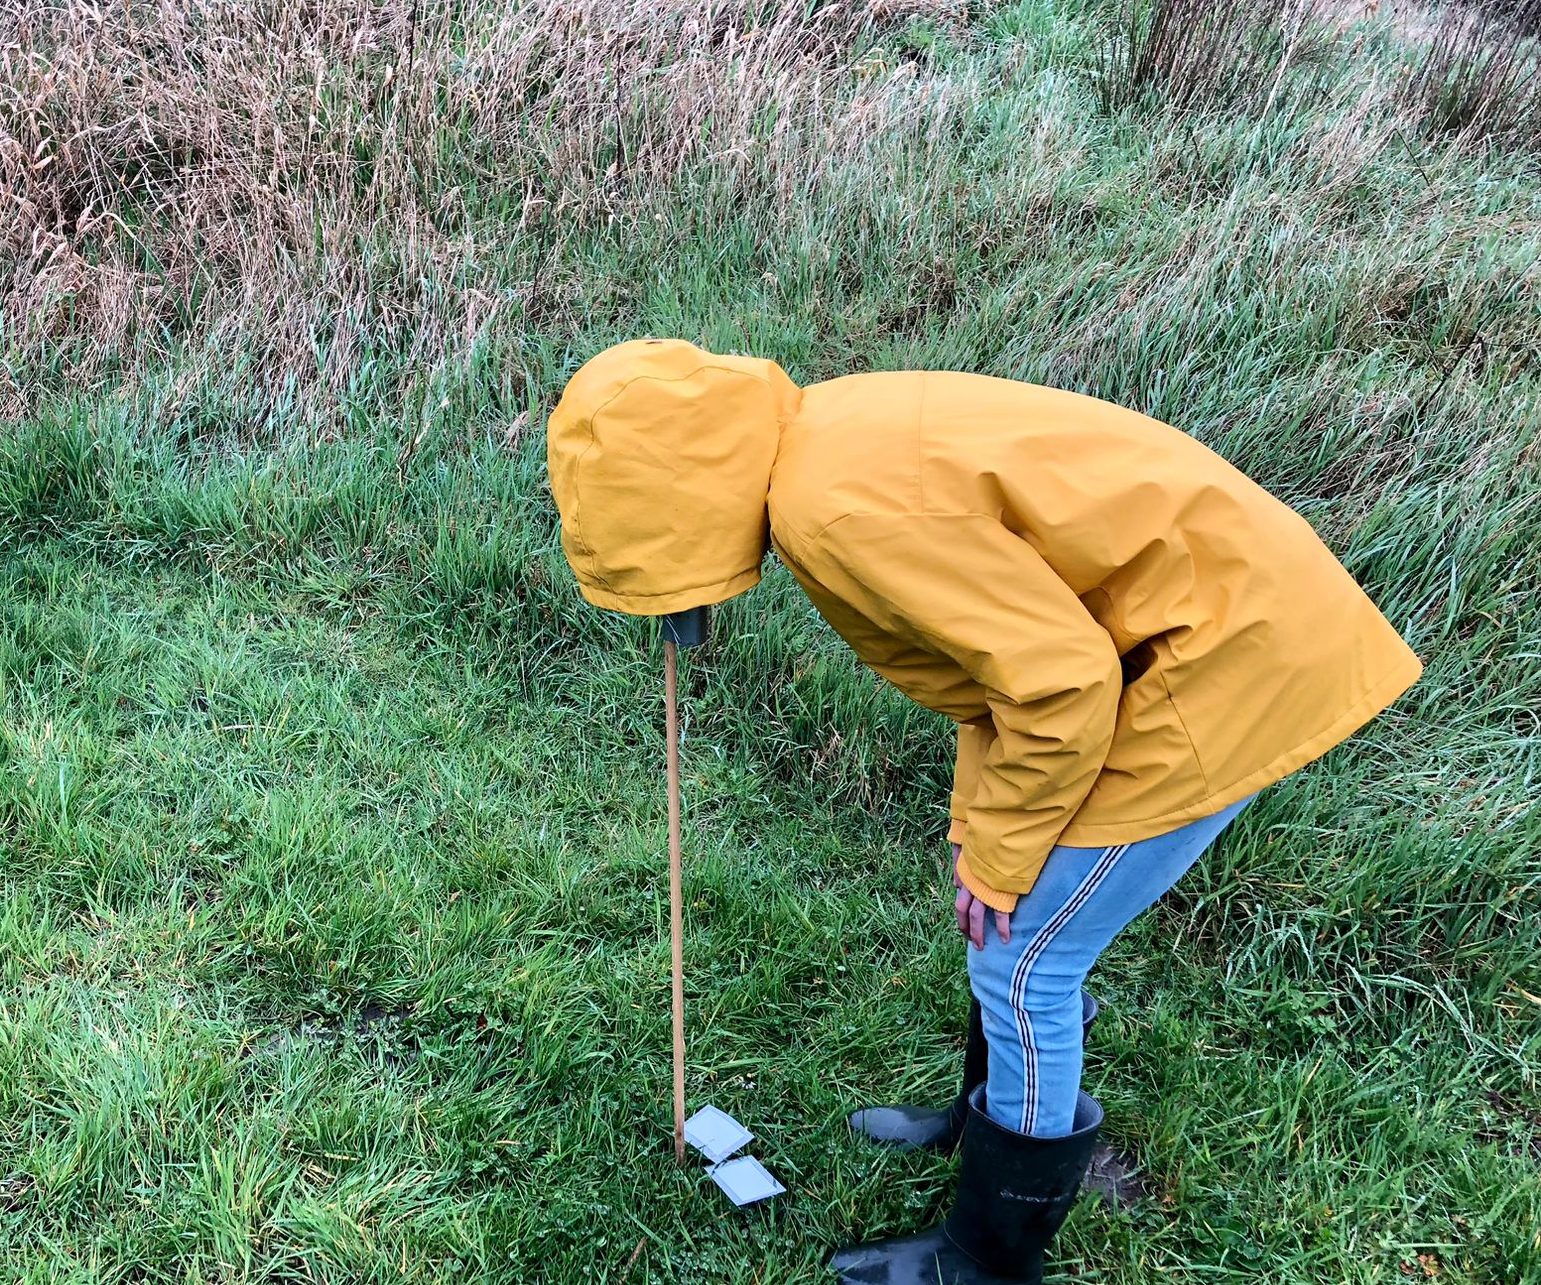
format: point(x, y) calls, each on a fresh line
point(1029, 989)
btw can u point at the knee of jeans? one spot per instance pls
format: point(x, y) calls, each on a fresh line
point(1046, 991)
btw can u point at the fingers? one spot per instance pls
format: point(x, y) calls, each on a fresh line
point(970, 913)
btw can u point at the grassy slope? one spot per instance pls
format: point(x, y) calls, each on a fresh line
point(332, 942)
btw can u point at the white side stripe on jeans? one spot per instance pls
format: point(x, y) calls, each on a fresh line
point(1100, 870)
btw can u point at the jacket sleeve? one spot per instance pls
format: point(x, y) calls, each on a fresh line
point(964, 587)
point(974, 742)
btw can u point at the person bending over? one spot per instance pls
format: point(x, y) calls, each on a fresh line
point(1132, 637)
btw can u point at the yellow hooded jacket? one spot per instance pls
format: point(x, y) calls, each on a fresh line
point(1129, 632)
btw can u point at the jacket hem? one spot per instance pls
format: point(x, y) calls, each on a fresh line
point(1090, 834)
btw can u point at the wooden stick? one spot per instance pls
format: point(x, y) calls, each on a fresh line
point(676, 897)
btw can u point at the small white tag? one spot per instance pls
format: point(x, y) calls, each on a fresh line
point(716, 1134)
point(745, 1180)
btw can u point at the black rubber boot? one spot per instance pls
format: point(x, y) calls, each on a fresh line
point(1014, 1192)
point(911, 1128)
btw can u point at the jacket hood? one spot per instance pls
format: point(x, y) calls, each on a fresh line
point(660, 458)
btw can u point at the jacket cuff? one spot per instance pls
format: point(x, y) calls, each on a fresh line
point(956, 830)
point(992, 897)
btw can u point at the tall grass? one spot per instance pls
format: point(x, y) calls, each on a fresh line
point(1481, 74)
point(344, 207)
point(1188, 53)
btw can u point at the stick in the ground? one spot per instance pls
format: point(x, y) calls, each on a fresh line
point(676, 907)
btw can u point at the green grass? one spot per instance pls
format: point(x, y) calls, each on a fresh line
point(333, 937)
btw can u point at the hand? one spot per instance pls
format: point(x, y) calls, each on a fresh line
point(971, 911)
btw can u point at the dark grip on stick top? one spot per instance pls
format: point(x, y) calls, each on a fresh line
point(687, 628)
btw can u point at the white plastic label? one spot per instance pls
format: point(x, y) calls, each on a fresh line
point(716, 1134)
point(745, 1180)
